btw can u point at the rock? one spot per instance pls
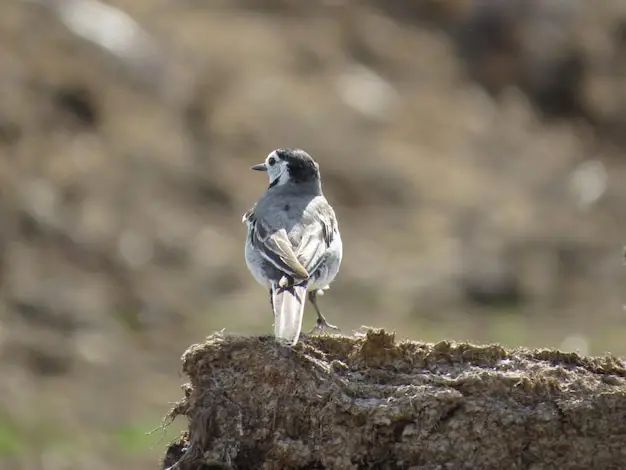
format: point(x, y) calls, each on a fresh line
point(370, 402)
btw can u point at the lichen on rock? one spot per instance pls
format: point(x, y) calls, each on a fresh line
point(371, 402)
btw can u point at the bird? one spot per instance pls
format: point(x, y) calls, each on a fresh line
point(293, 246)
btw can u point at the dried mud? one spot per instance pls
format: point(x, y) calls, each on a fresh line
point(370, 402)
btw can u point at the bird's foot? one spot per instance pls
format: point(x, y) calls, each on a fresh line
point(323, 325)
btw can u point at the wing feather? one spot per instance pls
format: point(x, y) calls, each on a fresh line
point(314, 244)
point(275, 247)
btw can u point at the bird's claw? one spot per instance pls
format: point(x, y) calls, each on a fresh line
point(321, 325)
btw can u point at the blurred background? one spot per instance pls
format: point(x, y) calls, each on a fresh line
point(474, 151)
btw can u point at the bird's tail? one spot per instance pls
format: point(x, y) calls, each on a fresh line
point(288, 309)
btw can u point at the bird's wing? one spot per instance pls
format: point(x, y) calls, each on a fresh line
point(275, 246)
point(315, 241)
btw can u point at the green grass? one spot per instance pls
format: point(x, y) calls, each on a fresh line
point(133, 438)
point(138, 439)
point(12, 439)
point(141, 437)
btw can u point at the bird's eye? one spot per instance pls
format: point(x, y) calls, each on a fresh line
point(271, 161)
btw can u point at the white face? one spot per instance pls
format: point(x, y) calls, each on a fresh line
point(276, 169)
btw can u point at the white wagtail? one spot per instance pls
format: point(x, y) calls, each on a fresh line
point(293, 244)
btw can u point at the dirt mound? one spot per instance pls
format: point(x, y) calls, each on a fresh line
point(369, 402)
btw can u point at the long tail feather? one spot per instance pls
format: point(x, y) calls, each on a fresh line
point(288, 309)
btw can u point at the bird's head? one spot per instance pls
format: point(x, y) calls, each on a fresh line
point(289, 166)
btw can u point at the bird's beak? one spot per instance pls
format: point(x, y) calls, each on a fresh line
point(259, 167)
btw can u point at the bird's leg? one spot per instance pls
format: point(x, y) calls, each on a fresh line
point(321, 321)
point(272, 300)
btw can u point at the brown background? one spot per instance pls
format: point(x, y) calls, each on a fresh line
point(473, 151)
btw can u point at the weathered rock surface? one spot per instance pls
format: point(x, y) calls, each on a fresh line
point(369, 402)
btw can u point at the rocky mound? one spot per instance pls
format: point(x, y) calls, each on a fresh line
point(369, 402)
